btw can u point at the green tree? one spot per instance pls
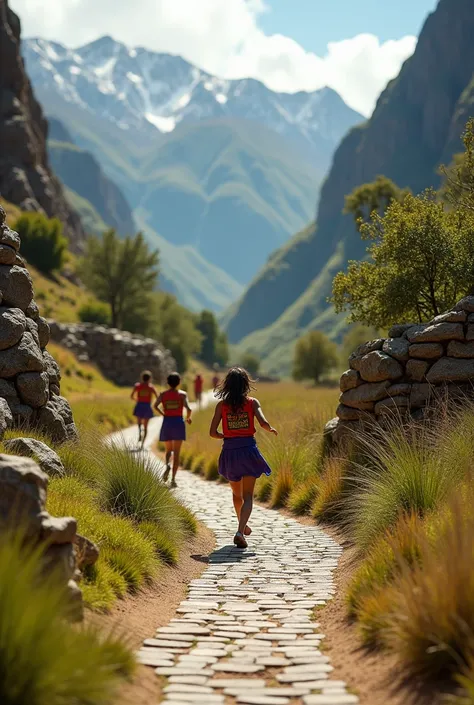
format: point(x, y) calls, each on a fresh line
point(458, 186)
point(94, 312)
point(355, 336)
point(122, 272)
point(251, 363)
point(374, 196)
point(175, 327)
point(42, 241)
point(420, 262)
point(214, 341)
point(314, 356)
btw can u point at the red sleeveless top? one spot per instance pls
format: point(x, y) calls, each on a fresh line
point(144, 392)
point(173, 402)
point(238, 424)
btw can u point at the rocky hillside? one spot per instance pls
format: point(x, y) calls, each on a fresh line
point(26, 178)
point(80, 172)
point(416, 126)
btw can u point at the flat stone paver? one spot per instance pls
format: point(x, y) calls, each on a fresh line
point(246, 633)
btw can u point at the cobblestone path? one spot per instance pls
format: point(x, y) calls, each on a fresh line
point(246, 632)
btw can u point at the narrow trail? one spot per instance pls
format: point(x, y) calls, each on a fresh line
point(246, 632)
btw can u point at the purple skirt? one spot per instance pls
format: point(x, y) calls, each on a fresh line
point(240, 457)
point(173, 429)
point(143, 410)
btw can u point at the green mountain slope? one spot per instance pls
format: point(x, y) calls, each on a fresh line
point(416, 126)
point(221, 186)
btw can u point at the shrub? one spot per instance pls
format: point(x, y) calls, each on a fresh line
point(43, 659)
point(94, 312)
point(432, 620)
point(314, 355)
point(302, 496)
point(198, 463)
point(329, 496)
point(211, 469)
point(130, 487)
point(281, 487)
point(42, 241)
point(406, 470)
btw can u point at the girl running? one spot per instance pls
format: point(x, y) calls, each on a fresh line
point(143, 393)
point(173, 430)
point(240, 462)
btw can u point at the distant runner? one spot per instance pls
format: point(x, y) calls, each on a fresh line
point(198, 387)
point(215, 381)
point(173, 430)
point(143, 393)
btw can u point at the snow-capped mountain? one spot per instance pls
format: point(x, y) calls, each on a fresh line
point(140, 89)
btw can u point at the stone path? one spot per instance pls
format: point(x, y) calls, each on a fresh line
point(246, 633)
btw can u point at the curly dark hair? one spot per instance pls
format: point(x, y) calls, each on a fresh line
point(235, 388)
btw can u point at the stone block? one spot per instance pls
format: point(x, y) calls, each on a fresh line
point(466, 304)
point(416, 370)
point(365, 396)
point(399, 389)
point(397, 348)
point(48, 460)
point(350, 380)
point(87, 552)
point(16, 286)
point(347, 413)
point(392, 404)
point(376, 366)
point(436, 333)
point(420, 395)
point(364, 349)
point(23, 492)
point(450, 369)
point(56, 531)
point(463, 350)
point(25, 356)
point(399, 329)
point(33, 388)
point(451, 317)
point(426, 351)
point(12, 326)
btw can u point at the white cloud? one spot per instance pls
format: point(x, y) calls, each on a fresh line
point(223, 37)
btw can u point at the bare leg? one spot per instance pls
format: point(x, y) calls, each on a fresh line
point(238, 500)
point(176, 451)
point(139, 430)
point(169, 450)
point(145, 430)
point(248, 486)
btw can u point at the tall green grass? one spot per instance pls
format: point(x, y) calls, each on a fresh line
point(43, 659)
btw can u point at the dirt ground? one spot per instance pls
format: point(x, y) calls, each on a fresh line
point(138, 616)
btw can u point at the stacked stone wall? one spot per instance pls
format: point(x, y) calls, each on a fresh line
point(405, 372)
point(120, 356)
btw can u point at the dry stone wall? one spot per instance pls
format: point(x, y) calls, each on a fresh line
point(403, 373)
point(23, 489)
point(29, 375)
point(120, 356)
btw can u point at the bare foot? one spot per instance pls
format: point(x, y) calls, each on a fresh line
point(247, 531)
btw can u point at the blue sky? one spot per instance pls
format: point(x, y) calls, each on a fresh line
point(352, 46)
point(314, 23)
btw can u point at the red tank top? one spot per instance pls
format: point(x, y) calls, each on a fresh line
point(144, 392)
point(238, 424)
point(173, 402)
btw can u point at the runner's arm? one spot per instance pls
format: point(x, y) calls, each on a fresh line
point(189, 411)
point(261, 418)
point(157, 404)
point(216, 419)
point(134, 391)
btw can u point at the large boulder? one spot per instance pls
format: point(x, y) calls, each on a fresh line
point(25, 356)
point(48, 460)
point(16, 286)
point(397, 348)
point(12, 326)
point(350, 380)
point(33, 388)
point(376, 366)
